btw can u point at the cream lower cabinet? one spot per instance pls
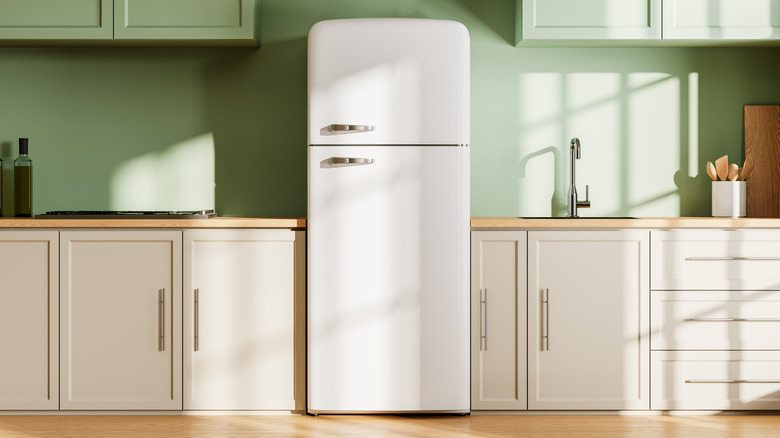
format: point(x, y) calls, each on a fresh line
point(120, 320)
point(588, 320)
point(244, 293)
point(498, 320)
point(29, 317)
point(715, 306)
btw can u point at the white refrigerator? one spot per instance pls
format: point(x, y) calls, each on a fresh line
point(388, 217)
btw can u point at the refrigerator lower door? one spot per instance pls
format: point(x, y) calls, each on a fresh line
point(388, 284)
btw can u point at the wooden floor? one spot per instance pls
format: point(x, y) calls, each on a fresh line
point(388, 426)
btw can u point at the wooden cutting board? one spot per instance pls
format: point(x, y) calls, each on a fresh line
point(762, 154)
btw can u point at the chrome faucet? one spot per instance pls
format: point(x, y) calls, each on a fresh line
point(573, 203)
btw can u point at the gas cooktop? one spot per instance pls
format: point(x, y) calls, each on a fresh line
point(104, 214)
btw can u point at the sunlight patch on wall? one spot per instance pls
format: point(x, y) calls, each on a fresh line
point(653, 142)
point(629, 126)
point(540, 96)
point(180, 177)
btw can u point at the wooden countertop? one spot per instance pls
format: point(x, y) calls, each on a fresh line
point(649, 222)
point(217, 222)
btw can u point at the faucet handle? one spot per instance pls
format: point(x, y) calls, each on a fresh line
point(586, 202)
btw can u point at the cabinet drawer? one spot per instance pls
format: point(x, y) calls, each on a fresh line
point(715, 320)
point(722, 380)
point(715, 260)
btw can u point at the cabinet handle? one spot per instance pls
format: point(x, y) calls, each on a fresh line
point(197, 315)
point(732, 381)
point(484, 323)
point(733, 319)
point(715, 259)
point(546, 334)
point(161, 319)
point(337, 127)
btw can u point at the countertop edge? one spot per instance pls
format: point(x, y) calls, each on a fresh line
point(653, 223)
point(218, 222)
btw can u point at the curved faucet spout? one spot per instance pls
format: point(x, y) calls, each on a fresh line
point(573, 203)
point(575, 145)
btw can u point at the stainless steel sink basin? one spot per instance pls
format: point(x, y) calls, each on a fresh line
point(580, 217)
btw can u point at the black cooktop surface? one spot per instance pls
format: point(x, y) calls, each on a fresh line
point(129, 214)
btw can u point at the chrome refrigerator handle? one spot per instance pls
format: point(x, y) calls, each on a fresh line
point(347, 161)
point(337, 127)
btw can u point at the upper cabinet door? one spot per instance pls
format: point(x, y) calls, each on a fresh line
point(591, 19)
point(724, 19)
point(185, 20)
point(388, 81)
point(56, 19)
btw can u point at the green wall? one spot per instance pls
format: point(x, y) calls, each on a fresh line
point(648, 118)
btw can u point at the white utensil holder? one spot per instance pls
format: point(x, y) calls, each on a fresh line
point(729, 198)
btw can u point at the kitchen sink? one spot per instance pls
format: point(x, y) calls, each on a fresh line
point(580, 217)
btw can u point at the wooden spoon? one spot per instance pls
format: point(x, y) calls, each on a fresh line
point(733, 172)
point(745, 171)
point(711, 171)
point(722, 167)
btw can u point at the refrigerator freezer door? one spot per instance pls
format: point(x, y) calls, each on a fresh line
point(388, 307)
point(391, 81)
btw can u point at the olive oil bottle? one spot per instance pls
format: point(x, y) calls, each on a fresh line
point(1, 187)
point(23, 182)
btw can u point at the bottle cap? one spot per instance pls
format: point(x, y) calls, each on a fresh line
point(22, 146)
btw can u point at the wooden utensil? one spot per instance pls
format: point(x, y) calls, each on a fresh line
point(722, 167)
point(733, 172)
point(745, 171)
point(711, 171)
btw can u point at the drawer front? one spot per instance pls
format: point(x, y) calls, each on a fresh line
point(715, 320)
point(715, 260)
point(722, 380)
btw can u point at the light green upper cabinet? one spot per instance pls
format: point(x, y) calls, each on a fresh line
point(721, 20)
point(231, 20)
point(56, 19)
point(127, 22)
point(591, 19)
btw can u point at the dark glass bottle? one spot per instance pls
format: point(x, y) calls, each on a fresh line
point(23, 182)
point(1, 187)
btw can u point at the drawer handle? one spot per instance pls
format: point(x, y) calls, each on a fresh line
point(734, 319)
point(732, 381)
point(718, 259)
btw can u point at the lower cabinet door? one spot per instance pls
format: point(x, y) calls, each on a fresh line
point(244, 320)
point(721, 380)
point(120, 318)
point(498, 320)
point(588, 320)
point(29, 316)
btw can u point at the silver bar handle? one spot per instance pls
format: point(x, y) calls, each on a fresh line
point(161, 319)
point(197, 316)
point(733, 319)
point(484, 323)
point(732, 381)
point(546, 334)
point(346, 161)
point(340, 127)
point(711, 259)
